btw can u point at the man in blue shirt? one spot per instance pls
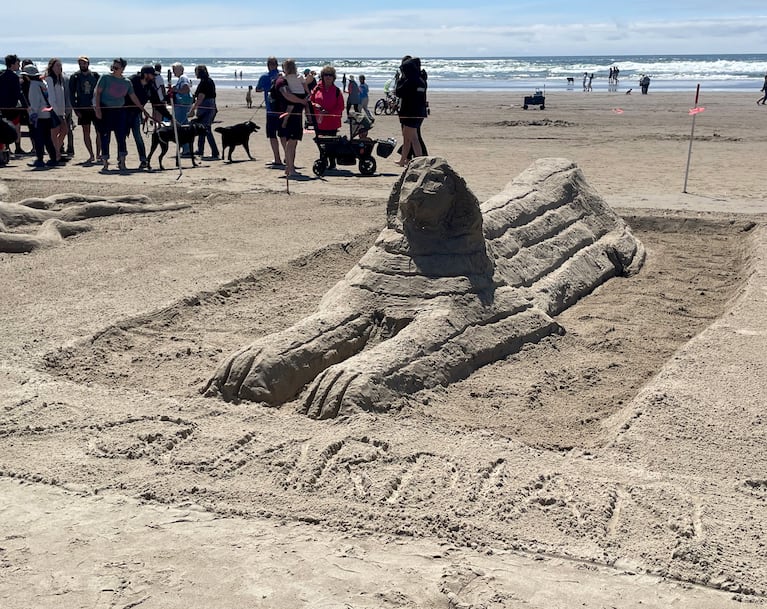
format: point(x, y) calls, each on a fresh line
point(272, 118)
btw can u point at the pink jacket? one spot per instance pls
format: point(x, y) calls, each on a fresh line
point(328, 105)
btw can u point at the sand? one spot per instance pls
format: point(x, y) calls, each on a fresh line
point(619, 465)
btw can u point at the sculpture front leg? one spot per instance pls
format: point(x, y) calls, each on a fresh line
point(275, 368)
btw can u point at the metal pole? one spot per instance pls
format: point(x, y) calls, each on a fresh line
point(692, 133)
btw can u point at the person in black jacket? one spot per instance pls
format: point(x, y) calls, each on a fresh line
point(12, 101)
point(204, 108)
point(411, 89)
point(143, 87)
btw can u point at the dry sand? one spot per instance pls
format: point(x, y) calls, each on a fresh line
point(619, 465)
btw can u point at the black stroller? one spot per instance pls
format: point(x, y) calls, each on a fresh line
point(347, 150)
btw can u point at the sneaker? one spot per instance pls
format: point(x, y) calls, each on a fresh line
point(37, 164)
point(71, 151)
point(143, 165)
point(51, 163)
point(121, 164)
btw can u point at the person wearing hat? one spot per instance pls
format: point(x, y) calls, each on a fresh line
point(143, 87)
point(82, 86)
point(40, 121)
point(109, 101)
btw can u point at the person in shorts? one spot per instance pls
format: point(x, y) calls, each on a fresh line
point(272, 117)
point(82, 86)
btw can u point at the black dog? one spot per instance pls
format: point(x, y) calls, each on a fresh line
point(164, 135)
point(236, 135)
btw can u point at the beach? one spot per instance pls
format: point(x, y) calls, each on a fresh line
point(618, 464)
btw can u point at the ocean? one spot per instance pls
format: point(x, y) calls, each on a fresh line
point(668, 72)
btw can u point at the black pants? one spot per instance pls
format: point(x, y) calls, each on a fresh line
point(41, 135)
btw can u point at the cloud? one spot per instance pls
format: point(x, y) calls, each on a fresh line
point(239, 31)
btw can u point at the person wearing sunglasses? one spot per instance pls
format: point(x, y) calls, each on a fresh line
point(112, 90)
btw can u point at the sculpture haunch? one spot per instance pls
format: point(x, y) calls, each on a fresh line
point(448, 287)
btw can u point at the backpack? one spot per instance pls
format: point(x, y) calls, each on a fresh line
point(276, 101)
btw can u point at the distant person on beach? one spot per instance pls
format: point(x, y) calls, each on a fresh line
point(353, 99)
point(585, 78)
point(411, 89)
point(764, 90)
point(204, 108)
point(644, 83)
point(82, 86)
point(364, 95)
point(272, 117)
point(310, 79)
point(249, 96)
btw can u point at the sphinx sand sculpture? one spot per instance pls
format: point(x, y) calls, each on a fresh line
point(449, 285)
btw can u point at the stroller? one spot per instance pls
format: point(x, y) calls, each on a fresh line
point(347, 150)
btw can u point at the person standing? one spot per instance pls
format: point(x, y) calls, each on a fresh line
point(82, 86)
point(353, 100)
point(264, 85)
point(143, 87)
point(54, 81)
point(182, 99)
point(39, 118)
point(293, 131)
point(109, 103)
point(364, 95)
point(327, 105)
point(12, 101)
point(411, 89)
point(764, 90)
point(204, 108)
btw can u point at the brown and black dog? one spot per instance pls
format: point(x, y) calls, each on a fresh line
point(236, 135)
point(187, 134)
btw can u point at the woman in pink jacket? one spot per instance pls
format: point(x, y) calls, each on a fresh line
point(327, 104)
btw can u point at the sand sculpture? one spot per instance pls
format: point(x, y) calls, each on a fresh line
point(61, 216)
point(448, 286)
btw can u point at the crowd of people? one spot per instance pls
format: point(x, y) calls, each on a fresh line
point(114, 104)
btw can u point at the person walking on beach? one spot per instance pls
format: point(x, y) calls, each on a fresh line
point(585, 78)
point(411, 89)
point(82, 85)
point(764, 90)
point(249, 96)
point(644, 83)
point(591, 77)
point(264, 84)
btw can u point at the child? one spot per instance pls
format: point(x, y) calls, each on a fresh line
point(249, 96)
point(297, 86)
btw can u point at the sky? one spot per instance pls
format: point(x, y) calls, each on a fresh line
point(389, 28)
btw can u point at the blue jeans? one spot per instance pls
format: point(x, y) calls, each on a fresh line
point(206, 116)
point(180, 112)
point(135, 127)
